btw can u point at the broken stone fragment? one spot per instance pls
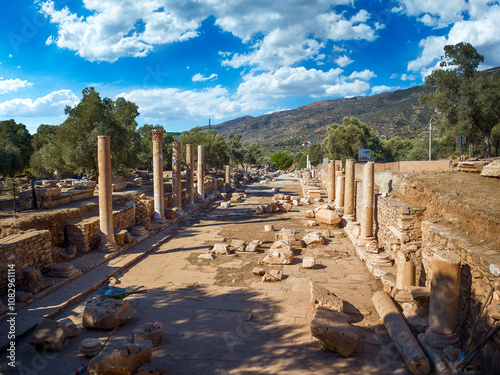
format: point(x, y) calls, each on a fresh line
point(63, 270)
point(285, 207)
point(49, 335)
point(308, 262)
point(105, 313)
point(272, 276)
point(238, 245)
point(322, 297)
point(314, 238)
point(372, 247)
point(253, 246)
point(280, 253)
point(32, 281)
point(123, 358)
point(269, 228)
point(258, 271)
point(339, 234)
point(334, 332)
point(309, 213)
point(156, 367)
point(220, 249)
point(171, 212)
point(69, 327)
point(259, 210)
point(225, 204)
point(328, 217)
point(148, 331)
point(311, 223)
point(206, 256)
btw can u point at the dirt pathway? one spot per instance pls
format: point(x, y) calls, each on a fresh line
point(218, 318)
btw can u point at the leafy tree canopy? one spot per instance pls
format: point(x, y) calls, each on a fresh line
point(281, 161)
point(16, 136)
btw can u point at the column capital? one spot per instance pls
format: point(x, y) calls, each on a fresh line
point(157, 134)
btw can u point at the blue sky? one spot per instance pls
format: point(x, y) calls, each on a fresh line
point(183, 62)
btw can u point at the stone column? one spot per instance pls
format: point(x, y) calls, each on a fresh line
point(368, 203)
point(405, 271)
point(308, 164)
point(331, 182)
point(108, 243)
point(190, 173)
point(158, 189)
point(349, 210)
point(228, 175)
point(245, 171)
point(176, 175)
point(444, 300)
point(339, 193)
point(201, 172)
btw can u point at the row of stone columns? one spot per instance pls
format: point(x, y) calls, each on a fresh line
point(108, 243)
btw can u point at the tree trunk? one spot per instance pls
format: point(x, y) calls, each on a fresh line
point(486, 143)
point(471, 150)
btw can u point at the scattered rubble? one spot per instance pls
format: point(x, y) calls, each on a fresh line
point(104, 313)
point(280, 253)
point(148, 331)
point(48, 335)
point(272, 276)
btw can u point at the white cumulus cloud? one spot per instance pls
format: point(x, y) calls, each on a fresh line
point(343, 61)
point(198, 77)
point(8, 85)
point(382, 88)
point(49, 105)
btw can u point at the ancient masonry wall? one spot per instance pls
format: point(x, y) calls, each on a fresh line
point(400, 228)
point(26, 249)
point(85, 234)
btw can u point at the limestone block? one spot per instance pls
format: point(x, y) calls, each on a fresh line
point(105, 313)
point(259, 210)
point(322, 297)
point(253, 246)
point(269, 228)
point(48, 334)
point(148, 331)
point(171, 212)
point(32, 281)
point(156, 367)
point(492, 169)
point(308, 262)
point(48, 192)
point(334, 332)
point(220, 249)
point(272, 276)
point(205, 256)
point(309, 214)
point(311, 223)
point(69, 327)
point(258, 271)
point(123, 358)
point(225, 204)
point(328, 217)
point(285, 207)
point(280, 253)
point(314, 238)
point(285, 234)
point(238, 245)
point(84, 185)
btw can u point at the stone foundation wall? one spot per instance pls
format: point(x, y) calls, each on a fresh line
point(85, 234)
point(26, 249)
point(480, 270)
point(398, 226)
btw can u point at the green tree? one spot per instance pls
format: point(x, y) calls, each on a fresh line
point(234, 149)
point(252, 154)
point(495, 139)
point(344, 141)
point(216, 154)
point(281, 161)
point(10, 159)
point(16, 135)
point(145, 154)
point(468, 99)
point(92, 117)
point(43, 135)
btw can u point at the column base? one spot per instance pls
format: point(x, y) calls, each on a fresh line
point(353, 223)
point(107, 247)
point(339, 210)
point(349, 217)
point(439, 340)
point(362, 241)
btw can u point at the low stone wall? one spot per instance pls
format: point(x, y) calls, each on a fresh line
point(26, 249)
point(85, 234)
point(398, 226)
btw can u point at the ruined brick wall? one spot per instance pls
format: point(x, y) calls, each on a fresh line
point(32, 248)
point(86, 235)
point(480, 270)
point(398, 226)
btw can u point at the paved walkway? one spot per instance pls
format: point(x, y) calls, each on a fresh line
point(220, 319)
